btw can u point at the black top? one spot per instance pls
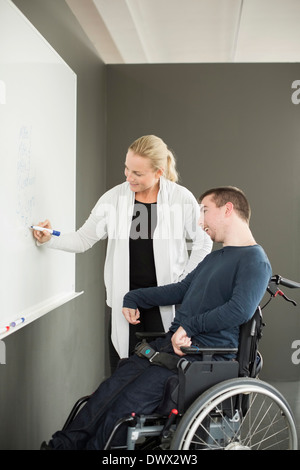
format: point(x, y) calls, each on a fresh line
point(141, 257)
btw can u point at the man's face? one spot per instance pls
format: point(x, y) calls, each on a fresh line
point(211, 219)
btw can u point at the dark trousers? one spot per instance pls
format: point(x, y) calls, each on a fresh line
point(137, 386)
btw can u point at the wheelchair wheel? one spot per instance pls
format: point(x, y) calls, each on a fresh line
point(238, 414)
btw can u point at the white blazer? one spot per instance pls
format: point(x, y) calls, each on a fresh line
point(177, 232)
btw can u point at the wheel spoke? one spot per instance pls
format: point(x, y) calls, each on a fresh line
point(238, 414)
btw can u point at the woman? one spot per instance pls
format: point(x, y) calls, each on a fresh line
point(147, 221)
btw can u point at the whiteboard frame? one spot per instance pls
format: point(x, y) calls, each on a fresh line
point(25, 49)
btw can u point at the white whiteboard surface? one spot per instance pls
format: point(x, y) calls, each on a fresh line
point(37, 169)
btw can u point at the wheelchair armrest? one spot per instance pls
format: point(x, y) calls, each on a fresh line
point(208, 352)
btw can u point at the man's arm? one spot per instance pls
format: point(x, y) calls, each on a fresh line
point(148, 297)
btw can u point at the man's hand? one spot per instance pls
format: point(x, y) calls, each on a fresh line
point(132, 315)
point(179, 339)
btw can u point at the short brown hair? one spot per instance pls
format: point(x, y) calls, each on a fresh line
point(224, 194)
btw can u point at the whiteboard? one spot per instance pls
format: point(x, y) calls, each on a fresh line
point(37, 172)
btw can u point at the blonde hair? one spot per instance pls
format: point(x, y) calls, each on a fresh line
point(154, 148)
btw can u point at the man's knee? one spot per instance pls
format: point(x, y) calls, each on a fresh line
point(133, 361)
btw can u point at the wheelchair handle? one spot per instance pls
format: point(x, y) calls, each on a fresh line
point(274, 290)
point(277, 279)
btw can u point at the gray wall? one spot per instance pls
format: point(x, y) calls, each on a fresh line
point(229, 124)
point(55, 360)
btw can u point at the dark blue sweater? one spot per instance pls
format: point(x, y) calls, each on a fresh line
point(221, 293)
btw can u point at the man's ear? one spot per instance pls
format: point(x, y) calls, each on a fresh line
point(229, 208)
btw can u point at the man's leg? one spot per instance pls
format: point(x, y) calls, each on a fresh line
point(86, 424)
point(141, 396)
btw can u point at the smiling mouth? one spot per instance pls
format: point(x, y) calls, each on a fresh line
point(206, 229)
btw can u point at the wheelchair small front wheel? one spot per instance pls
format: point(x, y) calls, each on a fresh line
point(237, 414)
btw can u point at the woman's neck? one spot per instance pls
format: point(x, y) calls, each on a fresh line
point(149, 195)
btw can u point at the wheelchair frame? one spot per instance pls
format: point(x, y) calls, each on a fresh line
point(227, 407)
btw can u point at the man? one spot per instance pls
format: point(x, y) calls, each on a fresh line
point(222, 293)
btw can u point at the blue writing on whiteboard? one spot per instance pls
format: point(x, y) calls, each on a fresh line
point(25, 179)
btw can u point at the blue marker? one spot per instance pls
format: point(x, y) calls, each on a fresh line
point(53, 232)
point(17, 322)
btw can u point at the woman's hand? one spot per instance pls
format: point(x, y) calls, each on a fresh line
point(179, 339)
point(132, 315)
point(45, 236)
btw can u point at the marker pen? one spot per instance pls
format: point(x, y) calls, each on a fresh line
point(17, 322)
point(4, 330)
point(54, 232)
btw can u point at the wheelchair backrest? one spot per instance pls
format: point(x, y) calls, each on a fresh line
point(250, 334)
point(201, 375)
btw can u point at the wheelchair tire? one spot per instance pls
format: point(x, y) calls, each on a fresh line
point(237, 414)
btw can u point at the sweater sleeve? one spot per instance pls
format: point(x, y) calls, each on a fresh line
point(201, 246)
point(93, 230)
point(158, 296)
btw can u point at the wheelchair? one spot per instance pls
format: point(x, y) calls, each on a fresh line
point(221, 404)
